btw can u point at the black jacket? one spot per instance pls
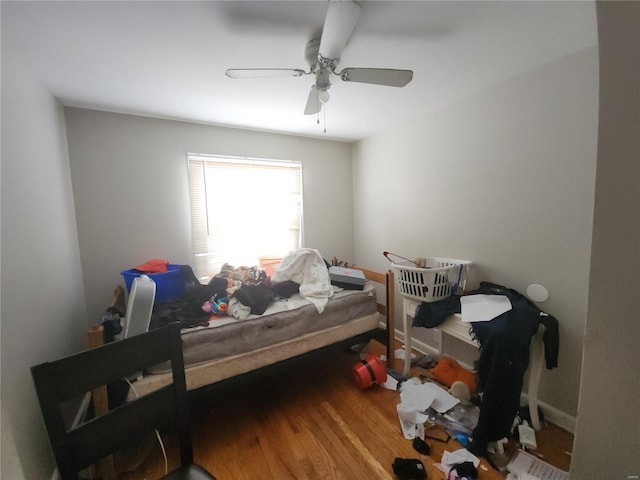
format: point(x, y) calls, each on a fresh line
point(504, 355)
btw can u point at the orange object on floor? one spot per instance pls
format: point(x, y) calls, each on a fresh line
point(370, 371)
point(449, 371)
point(153, 266)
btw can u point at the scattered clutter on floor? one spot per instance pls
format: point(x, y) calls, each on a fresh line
point(430, 412)
point(421, 446)
point(425, 361)
point(441, 404)
point(503, 322)
point(409, 469)
point(460, 464)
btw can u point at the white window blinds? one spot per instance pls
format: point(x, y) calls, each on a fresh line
point(243, 211)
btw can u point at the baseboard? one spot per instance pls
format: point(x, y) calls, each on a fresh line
point(555, 416)
point(551, 414)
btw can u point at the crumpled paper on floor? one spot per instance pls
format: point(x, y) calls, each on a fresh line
point(415, 398)
point(411, 422)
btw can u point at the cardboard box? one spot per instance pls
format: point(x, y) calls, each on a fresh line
point(347, 278)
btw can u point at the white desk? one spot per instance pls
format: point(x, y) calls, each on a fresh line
point(455, 327)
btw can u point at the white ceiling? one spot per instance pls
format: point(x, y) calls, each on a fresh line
point(167, 59)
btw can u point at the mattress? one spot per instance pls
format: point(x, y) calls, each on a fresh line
point(282, 321)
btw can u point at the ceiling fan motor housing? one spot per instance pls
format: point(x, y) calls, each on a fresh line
point(322, 79)
point(311, 53)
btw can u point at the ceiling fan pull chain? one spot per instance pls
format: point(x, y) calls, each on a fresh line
point(324, 118)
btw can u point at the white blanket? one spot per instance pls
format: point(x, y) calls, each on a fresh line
point(306, 267)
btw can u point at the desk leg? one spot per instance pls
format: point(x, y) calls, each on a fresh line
point(406, 325)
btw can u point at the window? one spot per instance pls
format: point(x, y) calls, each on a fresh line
point(244, 211)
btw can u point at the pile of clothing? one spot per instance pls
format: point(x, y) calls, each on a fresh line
point(504, 356)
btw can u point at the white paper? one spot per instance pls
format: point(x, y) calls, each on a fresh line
point(411, 421)
point(525, 466)
point(390, 384)
point(443, 400)
point(482, 308)
point(414, 395)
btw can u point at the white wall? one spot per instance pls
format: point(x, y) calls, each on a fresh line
point(504, 178)
point(608, 417)
point(43, 310)
point(537, 130)
point(130, 185)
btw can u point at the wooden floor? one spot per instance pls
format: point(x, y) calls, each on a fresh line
point(308, 420)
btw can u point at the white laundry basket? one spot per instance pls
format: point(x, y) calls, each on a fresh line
point(440, 278)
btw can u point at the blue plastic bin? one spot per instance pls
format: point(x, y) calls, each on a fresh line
point(169, 284)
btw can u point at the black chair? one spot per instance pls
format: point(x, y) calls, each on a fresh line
point(76, 448)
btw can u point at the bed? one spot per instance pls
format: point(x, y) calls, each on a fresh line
point(229, 347)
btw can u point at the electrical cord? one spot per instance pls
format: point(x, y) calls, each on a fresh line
point(164, 452)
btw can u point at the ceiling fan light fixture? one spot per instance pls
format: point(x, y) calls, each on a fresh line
point(323, 96)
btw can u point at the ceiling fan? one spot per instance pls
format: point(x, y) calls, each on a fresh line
point(323, 55)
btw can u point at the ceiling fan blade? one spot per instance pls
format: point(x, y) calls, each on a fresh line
point(341, 19)
point(264, 72)
point(313, 102)
point(377, 76)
